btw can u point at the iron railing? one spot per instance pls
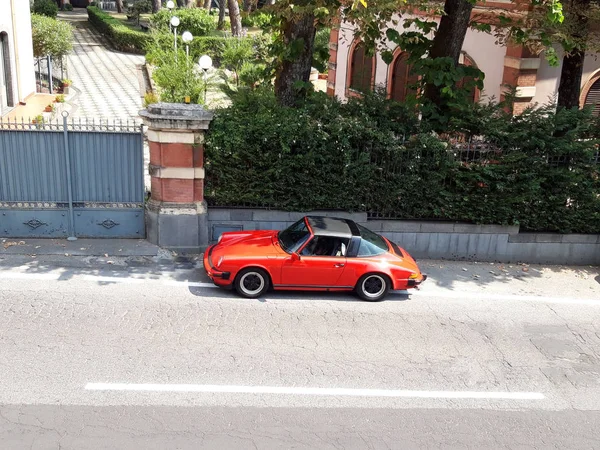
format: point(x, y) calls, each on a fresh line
point(58, 123)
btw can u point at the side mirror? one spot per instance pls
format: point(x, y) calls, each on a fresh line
point(295, 256)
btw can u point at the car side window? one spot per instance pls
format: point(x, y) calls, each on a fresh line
point(326, 246)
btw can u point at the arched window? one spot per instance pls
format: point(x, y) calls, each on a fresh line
point(6, 90)
point(592, 97)
point(473, 94)
point(403, 80)
point(361, 69)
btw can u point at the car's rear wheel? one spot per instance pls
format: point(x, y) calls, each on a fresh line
point(373, 287)
point(251, 282)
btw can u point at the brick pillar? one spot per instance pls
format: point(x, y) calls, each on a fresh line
point(176, 216)
point(332, 64)
point(520, 71)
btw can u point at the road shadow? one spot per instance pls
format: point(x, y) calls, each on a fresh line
point(294, 296)
point(456, 275)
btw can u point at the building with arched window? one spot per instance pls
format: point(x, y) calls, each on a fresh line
point(17, 78)
point(534, 80)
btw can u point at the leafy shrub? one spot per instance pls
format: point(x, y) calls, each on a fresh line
point(46, 8)
point(67, 7)
point(150, 98)
point(373, 155)
point(122, 37)
point(236, 53)
point(137, 8)
point(50, 36)
point(175, 75)
point(258, 18)
point(321, 53)
point(195, 20)
point(213, 46)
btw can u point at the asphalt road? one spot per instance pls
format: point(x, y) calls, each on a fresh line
point(95, 356)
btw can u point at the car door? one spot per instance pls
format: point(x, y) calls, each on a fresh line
point(313, 270)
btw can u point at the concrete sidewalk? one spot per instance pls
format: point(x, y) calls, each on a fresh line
point(124, 257)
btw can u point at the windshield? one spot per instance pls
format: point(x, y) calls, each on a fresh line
point(294, 236)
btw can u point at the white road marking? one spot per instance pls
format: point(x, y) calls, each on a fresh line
point(337, 392)
point(127, 280)
point(28, 276)
point(188, 284)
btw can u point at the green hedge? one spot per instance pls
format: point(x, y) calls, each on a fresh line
point(213, 46)
point(372, 155)
point(195, 20)
point(122, 37)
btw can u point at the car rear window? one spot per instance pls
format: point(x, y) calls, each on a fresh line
point(371, 243)
point(397, 250)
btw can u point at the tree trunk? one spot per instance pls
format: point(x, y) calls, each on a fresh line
point(221, 22)
point(570, 79)
point(155, 6)
point(181, 3)
point(190, 3)
point(119, 6)
point(207, 4)
point(248, 5)
point(572, 67)
point(235, 18)
point(448, 40)
point(297, 68)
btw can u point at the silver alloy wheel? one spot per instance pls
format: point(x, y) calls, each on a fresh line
point(373, 286)
point(252, 283)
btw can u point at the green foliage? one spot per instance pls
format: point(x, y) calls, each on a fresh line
point(373, 155)
point(236, 53)
point(176, 76)
point(195, 20)
point(150, 98)
point(252, 74)
point(46, 8)
point(258, 18)
point(321, 51)
point(67, 7)
point(50, 36)
point(137, 8)
point(122, 37)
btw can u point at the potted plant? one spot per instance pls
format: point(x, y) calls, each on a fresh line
point(49, 108)
point(65, 86)
point(60, 98)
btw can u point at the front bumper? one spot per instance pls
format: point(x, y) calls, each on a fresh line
point(220, 278)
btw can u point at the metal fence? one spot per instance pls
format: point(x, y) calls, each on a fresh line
point(67, 177)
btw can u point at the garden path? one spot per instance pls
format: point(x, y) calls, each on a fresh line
point(108, 83)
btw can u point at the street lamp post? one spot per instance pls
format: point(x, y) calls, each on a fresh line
point(205, 64)
point(175, 23)
point(187, 38)
point(170, 6)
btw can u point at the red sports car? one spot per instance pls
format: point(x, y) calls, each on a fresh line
point(315, 253)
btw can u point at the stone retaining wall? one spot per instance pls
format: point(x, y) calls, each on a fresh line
point(435, 240)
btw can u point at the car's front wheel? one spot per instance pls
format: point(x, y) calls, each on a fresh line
point(251, 282)
point(373, 287)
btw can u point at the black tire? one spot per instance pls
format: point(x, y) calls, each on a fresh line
point(251, 282)
point(373, 287)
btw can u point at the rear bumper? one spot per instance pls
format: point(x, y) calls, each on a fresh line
point(220, 278)
point(417, 281)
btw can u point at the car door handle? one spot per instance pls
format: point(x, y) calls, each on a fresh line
point(339, 265)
